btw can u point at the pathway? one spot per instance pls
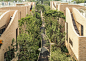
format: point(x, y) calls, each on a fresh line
point(44, 52)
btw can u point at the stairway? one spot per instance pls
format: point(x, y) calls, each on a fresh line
point(74, 24)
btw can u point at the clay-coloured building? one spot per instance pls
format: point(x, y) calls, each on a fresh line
point(9, 29)
point(57, 5)
point(76, 37)
point(75, 29)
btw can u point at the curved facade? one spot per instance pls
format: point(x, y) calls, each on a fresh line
point(9, 17)
point(75, 28)
point(75, 42)
point(10, 30)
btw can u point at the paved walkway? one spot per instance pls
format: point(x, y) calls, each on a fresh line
point(44, 52)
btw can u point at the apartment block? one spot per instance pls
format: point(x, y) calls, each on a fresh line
point(59, 6)
point(9, 29)
point(74, 27)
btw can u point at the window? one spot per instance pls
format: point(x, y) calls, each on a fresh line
point(16, 39)
point(66, 31)
point(81, 30)
point(70, 41)
point(1, 31)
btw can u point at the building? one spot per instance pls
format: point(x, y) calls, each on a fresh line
point(76, 37)
point(9, 29)
point(75, 28)
point(57, 5)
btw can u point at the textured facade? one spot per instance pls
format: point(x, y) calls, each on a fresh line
point(78, 41)
point(9, 17)
point(57, 5)
point(9, 32)
point(75, 29)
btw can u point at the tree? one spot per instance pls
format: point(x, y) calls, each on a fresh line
point(53, 31)
point(9, 54)
point(40, 7)
point(30, 37)
point(58, 55)
point(28, 47)
point(79, 1)
point(53, 28)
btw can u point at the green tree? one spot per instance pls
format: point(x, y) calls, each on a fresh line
point(58, 55)
point(30, 37)
point(28, 47)
point(9, 54)
point(79, 1)
point(53, 28)
point(40, 7)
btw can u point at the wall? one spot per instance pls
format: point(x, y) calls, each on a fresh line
point(22, 10)
point(79, 42)
point(78, 25)
point(80, 19)
point(72, 34)
point(63, 9)
point(55, 3)
point(9, 33)
point(51, 5)
point(82, 40)
point(64, 3)
point(4, 18)
point(82, 48)
point(20, 4)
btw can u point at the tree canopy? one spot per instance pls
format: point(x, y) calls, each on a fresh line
point(30, 37)
point(80, 1)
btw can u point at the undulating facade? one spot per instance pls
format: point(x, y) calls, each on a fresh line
point(57, 5)
point(74, 27)
point(9, 29)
